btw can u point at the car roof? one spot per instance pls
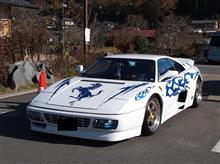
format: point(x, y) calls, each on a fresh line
point(213, 34)
point(137, 56)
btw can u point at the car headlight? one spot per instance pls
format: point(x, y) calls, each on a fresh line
point(105, 124)
point(36, 116)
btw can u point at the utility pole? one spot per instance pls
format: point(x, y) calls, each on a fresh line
point(63, 28)
point(85, 26)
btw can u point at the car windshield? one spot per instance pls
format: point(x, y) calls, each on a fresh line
point(122, 69)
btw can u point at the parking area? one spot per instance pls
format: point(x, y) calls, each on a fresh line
point(190, 137)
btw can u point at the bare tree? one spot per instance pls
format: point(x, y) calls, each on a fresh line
point(137, 21)
point(29, 34)
point(175, 34)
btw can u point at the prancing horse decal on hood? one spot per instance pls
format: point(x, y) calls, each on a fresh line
point(85, 92)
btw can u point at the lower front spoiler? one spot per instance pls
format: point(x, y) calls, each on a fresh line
point(88, 134)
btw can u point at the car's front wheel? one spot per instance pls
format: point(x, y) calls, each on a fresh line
point(152, 116)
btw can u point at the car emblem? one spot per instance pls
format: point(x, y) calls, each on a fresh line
point(85, 92)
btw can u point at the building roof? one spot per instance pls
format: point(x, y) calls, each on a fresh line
point(19, 3)
point(149, 33)
point(130, 30)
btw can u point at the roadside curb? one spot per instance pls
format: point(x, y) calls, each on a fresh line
point(211, 98)
point(17, 94)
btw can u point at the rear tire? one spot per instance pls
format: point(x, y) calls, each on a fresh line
point(152, 116)
point(198, 94)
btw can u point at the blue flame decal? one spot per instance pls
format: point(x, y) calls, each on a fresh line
point(85, 92)
point(60, 85)
point(125, 90)
point(178, 84)
point(142, 94)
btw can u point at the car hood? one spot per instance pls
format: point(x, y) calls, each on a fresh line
point(90, 93)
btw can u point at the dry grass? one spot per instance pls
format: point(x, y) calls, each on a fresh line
point(105, 50)
point(6, 90)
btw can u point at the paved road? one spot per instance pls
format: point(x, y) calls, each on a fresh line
point(211, 85)
point(210, 69)
point(186, 138)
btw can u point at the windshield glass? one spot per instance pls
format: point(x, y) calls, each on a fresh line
point(122, 69)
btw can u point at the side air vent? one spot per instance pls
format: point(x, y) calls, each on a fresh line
point(182, 96)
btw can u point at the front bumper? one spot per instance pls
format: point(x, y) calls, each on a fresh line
point(129, 124)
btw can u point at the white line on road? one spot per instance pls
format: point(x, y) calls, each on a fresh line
point(216, 148)
point(4, 112)
point(209, 66)
point(17, 94)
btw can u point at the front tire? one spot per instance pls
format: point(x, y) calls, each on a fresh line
point(152, 116)
point(198, 95)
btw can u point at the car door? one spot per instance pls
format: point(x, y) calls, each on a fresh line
point(186, 93)
point(169, 84)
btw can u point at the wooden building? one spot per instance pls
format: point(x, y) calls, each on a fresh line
point(5, 14)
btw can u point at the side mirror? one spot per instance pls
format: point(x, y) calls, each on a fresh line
point(79, 68)
point(169, 74)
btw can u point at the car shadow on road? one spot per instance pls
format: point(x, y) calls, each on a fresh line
point(15, 124)
point(211, 88)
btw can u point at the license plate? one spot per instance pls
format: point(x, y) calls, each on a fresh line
point(67, 124)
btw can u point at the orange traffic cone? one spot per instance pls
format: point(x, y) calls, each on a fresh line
point(42, 81)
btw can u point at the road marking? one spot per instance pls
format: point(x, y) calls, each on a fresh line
point(207, 66)
point(5, 112)
point(216, 148)
point(17, 94)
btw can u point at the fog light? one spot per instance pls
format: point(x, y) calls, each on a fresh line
point(36, 116)
point(105, 124)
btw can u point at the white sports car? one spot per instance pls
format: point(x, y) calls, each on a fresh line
point(118, 97)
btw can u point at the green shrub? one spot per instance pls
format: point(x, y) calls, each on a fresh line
point(140, 43)
point(63, 66)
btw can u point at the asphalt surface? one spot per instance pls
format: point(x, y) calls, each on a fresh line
point(211, 84)
point(210, 69)
point(189, 137)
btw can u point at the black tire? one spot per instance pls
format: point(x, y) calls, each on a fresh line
point(152, 116)
point(198, 94)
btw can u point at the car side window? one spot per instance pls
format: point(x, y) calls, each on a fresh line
point(163, 66)
point(178, 67)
